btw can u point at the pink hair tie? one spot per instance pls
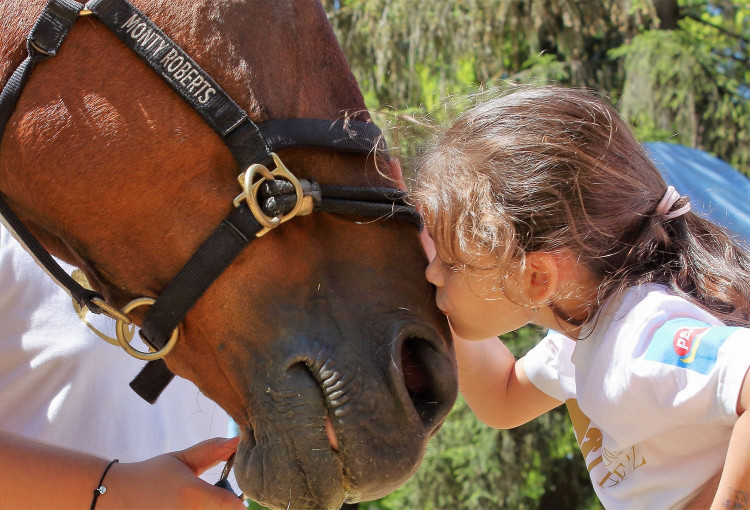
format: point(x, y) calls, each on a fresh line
point(670, 197)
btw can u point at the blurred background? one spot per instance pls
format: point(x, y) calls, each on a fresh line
point(676, 69)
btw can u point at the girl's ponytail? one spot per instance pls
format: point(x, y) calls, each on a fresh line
point(697, 259)
point(714, 269)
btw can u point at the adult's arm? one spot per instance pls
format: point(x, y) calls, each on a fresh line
point(43, 476)
point(734, 486)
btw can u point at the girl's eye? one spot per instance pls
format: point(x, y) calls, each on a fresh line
point(448, 266)
point(445, 265)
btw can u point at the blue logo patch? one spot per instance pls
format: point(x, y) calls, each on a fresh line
point(688, 343)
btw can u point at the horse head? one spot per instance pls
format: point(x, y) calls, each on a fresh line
point(321, 339)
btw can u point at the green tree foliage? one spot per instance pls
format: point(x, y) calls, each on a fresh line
point(678, 69)
point(692, 83)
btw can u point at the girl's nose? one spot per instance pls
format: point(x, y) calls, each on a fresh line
point(434, 273)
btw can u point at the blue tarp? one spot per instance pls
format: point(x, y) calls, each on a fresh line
point(716, 190)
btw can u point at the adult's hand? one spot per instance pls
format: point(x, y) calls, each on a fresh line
point(37, 475)
point(171, 481)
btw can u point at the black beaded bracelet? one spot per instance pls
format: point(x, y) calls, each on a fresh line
point(101, 489)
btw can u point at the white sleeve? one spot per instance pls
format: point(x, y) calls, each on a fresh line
point(695, 371)
point(546, 365)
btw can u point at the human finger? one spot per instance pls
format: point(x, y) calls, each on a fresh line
point(207, 454)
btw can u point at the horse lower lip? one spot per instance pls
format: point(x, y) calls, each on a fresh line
point(249, 437)
point(310, 478)
point(331, 434)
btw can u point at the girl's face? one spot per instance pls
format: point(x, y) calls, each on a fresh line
point(475, 303)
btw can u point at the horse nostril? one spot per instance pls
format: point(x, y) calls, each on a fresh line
point(421, 380)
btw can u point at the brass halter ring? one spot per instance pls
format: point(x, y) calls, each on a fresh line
point(123, 340)
point(250, 193)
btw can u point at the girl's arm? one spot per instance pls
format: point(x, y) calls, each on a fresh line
point(734, 486)
point(495, 385)
point(43, 476)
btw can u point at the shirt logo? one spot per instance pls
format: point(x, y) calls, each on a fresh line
point(683, 341)
point(606, 468)
point(688, 343)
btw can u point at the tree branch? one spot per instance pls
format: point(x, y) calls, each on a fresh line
point(717, 27)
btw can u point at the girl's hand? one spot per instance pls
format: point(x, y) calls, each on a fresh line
point(171, 480)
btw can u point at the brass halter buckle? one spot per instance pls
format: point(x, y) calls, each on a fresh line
point(250, 187)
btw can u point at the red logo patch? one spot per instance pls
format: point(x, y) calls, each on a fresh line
point(683, 339)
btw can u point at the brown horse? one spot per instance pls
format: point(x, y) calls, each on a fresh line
point(322, 317)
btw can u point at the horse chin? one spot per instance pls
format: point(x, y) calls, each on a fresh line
point(313, 482)
point(285, 458)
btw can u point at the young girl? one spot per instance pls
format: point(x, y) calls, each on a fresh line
point(544, 209)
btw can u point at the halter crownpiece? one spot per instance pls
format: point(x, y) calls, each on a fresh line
point(668, 200)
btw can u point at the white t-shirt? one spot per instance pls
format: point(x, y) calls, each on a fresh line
point(61, 383)
point(652, 394)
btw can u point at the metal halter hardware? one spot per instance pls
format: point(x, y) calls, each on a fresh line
point(269, 197)
point(303, 205)
point(122, 338)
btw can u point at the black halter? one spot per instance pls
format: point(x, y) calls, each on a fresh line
point(273, 198)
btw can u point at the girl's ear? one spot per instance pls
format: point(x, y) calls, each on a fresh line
point(541, 277)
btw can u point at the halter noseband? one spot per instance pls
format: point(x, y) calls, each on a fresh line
point(269, 197)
